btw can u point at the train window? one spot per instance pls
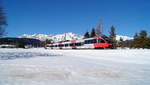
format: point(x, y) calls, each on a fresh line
point(94, 41)
point(62, 45)
point(66, 45)
point(90, 41)
point(85, 42)
point(77, 44)
point(101, 41)
point(71, 44)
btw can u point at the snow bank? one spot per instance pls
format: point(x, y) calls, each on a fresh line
point(6, 54)
point(75, 67)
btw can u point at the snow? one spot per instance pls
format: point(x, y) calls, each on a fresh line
point(74, 67)
point(66, 36)
point(123, 37)
point(41, 37)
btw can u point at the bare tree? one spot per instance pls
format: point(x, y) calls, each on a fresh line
point(3, 22)
point(99, 28)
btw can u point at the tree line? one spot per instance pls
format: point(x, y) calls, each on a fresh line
point(140, 40)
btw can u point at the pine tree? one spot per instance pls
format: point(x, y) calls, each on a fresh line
point(112, 32)
point(86, 35)
point(93, 34)
point(146, 43)
point(3, 23)
point(143, 33)
point(113, 36)
point(136, 35)
point(141, 41)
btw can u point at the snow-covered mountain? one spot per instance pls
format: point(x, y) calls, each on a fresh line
point(123, 37)
point(58, 37)
point(65, 36)
point(41, 37)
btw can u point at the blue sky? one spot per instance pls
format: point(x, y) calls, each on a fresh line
point(78, 16)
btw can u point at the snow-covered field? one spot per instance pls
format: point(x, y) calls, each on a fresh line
point(74, 67)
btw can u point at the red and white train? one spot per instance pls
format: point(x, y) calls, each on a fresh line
point(100, 42)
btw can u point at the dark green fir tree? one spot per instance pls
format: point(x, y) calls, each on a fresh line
point(93, 33)
point(86, 35)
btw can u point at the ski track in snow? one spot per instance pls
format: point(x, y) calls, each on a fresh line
point(74, 67)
